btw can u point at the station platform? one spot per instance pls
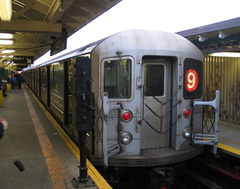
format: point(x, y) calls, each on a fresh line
point(229, 137)
point(49, 157)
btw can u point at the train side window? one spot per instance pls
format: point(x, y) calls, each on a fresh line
point(57, 73)
point(44, 77)
point(153, 80)
point(117, 78)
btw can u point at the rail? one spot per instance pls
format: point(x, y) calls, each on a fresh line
point(187, 178)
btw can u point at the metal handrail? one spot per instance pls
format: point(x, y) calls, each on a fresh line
point(209, 139)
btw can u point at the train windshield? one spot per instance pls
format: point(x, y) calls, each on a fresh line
point(117, 78)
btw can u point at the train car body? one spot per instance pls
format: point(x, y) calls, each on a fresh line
point(143, 72)
point(144, 85)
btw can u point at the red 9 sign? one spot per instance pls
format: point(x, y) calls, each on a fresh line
point(191, 80)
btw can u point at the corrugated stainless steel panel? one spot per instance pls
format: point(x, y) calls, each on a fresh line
point(223, 73)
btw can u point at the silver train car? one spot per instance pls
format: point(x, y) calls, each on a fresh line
point(144, 87)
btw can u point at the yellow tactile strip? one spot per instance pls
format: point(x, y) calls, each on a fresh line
point(93, 173)
point(229, 145)
point(55, 167)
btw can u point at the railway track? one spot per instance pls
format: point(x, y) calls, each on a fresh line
point(208, 172)
point(188, 179)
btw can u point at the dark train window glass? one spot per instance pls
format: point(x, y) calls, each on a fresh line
point(44, 77)
point(117, 78)
point(57, 80)
point(153, 80)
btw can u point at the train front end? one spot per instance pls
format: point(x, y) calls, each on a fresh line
point(147, 83)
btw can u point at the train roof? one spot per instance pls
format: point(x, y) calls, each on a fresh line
point(150, 41)
point(130, 39)
point(76, 52)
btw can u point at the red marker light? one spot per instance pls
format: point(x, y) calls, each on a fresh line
point(126, 115)
point(187, 112)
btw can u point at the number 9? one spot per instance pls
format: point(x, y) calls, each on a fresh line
point(191, 80)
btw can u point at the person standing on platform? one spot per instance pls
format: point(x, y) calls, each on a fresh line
point(19, 80)
point(14, 82)
point(3, 127)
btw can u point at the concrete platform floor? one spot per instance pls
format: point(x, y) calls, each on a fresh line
point(48, 162)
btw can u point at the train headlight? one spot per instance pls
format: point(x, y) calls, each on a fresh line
point(126, 115)
point(187, 133)
point(126, 138)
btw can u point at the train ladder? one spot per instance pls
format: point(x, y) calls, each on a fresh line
point(209, 139)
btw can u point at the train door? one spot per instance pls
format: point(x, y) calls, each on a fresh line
point(157, 82)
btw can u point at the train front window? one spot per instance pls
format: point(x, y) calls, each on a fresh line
point(117, 78)
point(153, 80)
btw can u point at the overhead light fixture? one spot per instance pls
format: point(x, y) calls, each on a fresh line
point(202, 38)
point(6, 42)
point(6, 36)
point(226, 54)
point(222, 35)
point(61, 9)
point(7, 51)
point(6, 10)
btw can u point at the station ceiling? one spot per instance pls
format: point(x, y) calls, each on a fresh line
point(36, 23)
point(217, 37)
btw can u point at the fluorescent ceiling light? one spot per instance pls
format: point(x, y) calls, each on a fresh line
point(8, 51)
point(226, 54)
point(5, 10)
point(6, 42)
point(6, 36)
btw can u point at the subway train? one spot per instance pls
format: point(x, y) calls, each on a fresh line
point(140, 89)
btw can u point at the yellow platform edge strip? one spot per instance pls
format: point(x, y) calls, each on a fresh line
point(93, 173)
point(229, 148)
